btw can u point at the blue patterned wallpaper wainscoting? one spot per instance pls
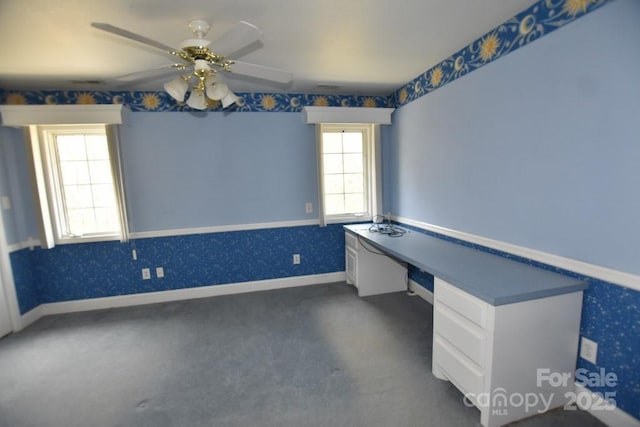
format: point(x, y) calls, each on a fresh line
point(422, 278)
point(611, 317)
point(25, 279)
point(94, 270)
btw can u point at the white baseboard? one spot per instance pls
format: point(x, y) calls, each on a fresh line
point(615, 417)
point(30, 317)
point(177, 295)
point(622, 278)
point(421, 291)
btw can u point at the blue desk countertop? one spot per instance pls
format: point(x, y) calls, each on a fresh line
point(492, 278)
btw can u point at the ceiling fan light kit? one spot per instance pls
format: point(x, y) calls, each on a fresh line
point(229, 99)
point(203, 64)
point(177, 88)
point(197, 100)
point(217, 91)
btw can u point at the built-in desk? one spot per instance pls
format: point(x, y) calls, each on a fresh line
point(500, 326)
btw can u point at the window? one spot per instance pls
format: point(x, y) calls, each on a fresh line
point(78, 182)
point(347, 171)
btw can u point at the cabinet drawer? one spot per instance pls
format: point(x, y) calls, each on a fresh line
point(350, 241)
point(462, 372)
point(464, 304)
point(460, 332)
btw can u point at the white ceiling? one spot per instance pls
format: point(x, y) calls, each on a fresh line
point(362, 46)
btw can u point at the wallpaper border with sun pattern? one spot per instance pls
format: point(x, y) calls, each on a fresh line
point(527, 26)
point(161, 101)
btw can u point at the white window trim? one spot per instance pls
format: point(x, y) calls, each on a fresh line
point(51, 168)
point(379, 116)
point(372, 171)
point(45, 190)
point(26, 115)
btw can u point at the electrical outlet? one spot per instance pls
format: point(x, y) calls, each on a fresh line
point(159, 272)
point(296, 258)
point(146, 274)
point(308, 207)
point(134, 254)
point(588, 350)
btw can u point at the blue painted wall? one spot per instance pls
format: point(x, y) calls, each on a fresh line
point(19, 221)
point(184, 171)
point(9, 226)
point(535, 148)
point(539, 149)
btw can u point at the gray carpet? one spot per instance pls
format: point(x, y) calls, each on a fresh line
point(308, 356)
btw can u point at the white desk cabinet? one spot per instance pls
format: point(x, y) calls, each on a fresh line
point(497, 322)
point(371, 271)
point(492, 353)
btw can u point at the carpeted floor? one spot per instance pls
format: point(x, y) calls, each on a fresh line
point(308, 356)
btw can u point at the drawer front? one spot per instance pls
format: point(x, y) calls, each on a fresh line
point(465, 336)
point(462, 372)
point(466, 305)
point(350, 241)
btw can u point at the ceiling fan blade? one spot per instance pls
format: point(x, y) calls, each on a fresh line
point(238, 37)
point(133, 36)
point(261, 72)
point(154, 73)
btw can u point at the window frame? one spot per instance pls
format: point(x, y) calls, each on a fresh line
point(50, 162)
point(370, 150)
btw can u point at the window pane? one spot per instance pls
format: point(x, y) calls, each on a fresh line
point(74, 172)
point(334, 184)
point(332, 142)
point(353, 163)
point(71, 147)
point(100, 172)
point(344, 156)
point(97, 147)
point(334, 204)
point(106, 220)
point(354, 203)
point(81, 221)
point(78, 196)
point(103, 195)
point(352, 142)
point(333, 163)
point(87, 200)
point(353, 183)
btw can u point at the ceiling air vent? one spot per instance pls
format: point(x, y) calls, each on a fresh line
point(327, 86)
point(87, 82)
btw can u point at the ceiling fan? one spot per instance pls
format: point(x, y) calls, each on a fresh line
point(202, 60)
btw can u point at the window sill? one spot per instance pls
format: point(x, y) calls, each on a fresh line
point(348, 219)
point(91, 239)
